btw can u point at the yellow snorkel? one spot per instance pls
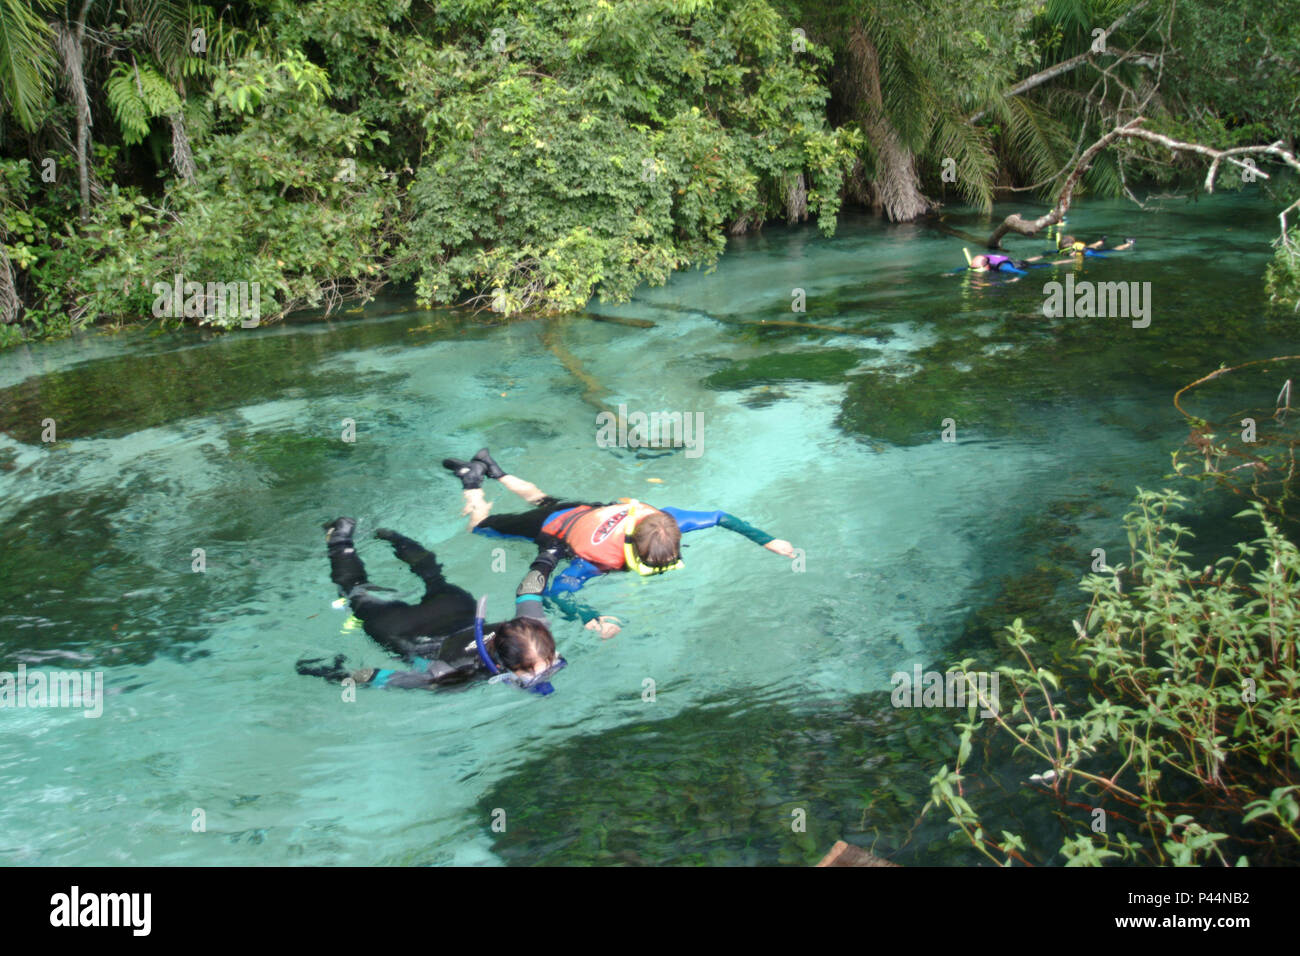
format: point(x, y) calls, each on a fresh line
point(629, 553)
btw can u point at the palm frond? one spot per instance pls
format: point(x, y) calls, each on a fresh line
point(1041, 142)
point(970, 148)
point(166, 26)
point(27, 58)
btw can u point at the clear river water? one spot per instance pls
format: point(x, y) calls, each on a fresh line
point(771, 680)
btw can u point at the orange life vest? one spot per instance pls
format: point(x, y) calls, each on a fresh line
point(595, 534)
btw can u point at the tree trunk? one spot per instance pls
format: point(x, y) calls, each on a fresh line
point(895, 188)
point(796, 200)
point(9, 302)
point(182, 155)
point(69, 39)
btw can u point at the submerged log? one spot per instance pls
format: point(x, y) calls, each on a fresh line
point(620, 320)
point(846, 854)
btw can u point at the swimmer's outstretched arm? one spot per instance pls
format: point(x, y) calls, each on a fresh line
point(528, 598)
point(563, 593)
point(695, 520)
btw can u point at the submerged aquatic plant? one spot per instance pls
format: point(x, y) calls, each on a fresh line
point(1250, 451)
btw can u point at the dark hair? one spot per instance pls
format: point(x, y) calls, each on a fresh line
point(657, 540)
point(1065, 242)
point(523, 641)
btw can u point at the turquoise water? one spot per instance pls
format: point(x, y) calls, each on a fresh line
point(827, 436)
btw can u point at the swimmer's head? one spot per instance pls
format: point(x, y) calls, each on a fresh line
point(979, 263)
point(657, 541)
point(525, 646)
point(1070, 244)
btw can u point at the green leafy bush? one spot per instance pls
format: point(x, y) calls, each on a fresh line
point(579, 148)
point(1185, 729)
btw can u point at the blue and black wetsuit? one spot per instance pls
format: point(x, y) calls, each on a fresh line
point(564, 587)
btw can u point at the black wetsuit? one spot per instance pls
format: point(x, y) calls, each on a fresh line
point(528, 524)
point(435, 637)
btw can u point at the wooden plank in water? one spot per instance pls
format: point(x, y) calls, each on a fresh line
point(846, 854)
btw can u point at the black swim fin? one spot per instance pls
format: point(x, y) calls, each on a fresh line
point(470, 473)
point(339, 531)
point(332, 672)
point(491, 468)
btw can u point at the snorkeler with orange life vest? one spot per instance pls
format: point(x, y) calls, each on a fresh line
point(600, 537)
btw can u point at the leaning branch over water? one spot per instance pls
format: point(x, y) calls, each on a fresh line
point(1018, 224)
point(1133, 130)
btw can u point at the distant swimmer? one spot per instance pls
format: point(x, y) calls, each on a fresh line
point(626, 535)
point(1074, 249)
point(443, 639)
point(1079, 248)
point(995, 262)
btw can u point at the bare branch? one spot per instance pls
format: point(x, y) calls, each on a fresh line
point(1015, 223)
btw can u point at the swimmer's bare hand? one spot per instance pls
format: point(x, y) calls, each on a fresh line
point(781, 547)
point(606, 625)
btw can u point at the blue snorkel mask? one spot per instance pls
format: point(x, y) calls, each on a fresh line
point(537, 683)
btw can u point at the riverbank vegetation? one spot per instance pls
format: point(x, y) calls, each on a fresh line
point(527, 156)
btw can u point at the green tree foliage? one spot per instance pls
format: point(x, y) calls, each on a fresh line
point(1282, 278)
point(552, 152)
point(574, 148)
point(286, 196)
point(529, 155)
point(1234, 70)
point(138, 93)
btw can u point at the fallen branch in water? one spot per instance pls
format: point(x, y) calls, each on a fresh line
point(1016, 223)
point(593, 391)
point(804, 326)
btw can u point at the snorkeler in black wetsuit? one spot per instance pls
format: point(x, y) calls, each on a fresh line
point(436, 636)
